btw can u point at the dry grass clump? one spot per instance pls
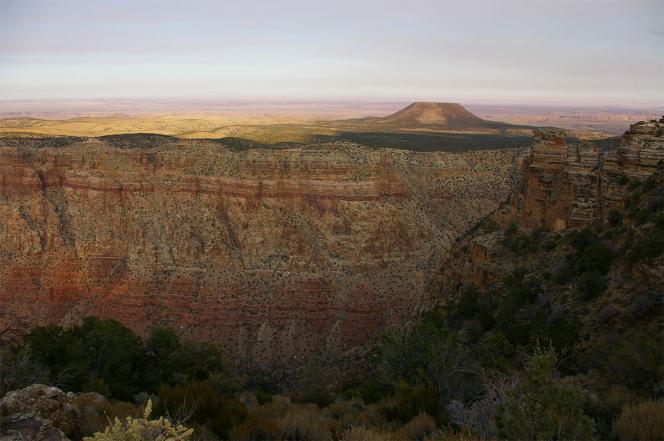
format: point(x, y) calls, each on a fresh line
point(281, 419)
point(350, 420)
point(618, 396)
point(354, 413)
point(361, 433)
point(450, 435)
point(419, 427)
point(642, 422)
point(262, 421)
point(306, 423)
point(256, 427)
point(96, 411)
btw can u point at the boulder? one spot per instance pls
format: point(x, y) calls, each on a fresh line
point(22, 427)
point(26, 407)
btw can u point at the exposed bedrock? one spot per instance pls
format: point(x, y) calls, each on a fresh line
point(562, 185)
point(280, 255)
point(571, 185)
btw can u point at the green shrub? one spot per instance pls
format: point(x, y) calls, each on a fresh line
point(564, 274)
point(596, 257)
point(615, 218)
point(659, 221)
point(581, 239)
point(542, 408)
point(591, 284)
point(496, 351)
point(516, 311)
point(98, 353)
point(263, 397)
point(588, 264)
point(523, 243)
point(633, 360)
point(648, 247)
point(104, 356)
point(375, 388)
point(466, 306)
point(431, 355)
point(560, 329)
point(649, 183)
point(96, 385)
point(634, 184)
point(640, 215)
point(550, 243)
point(166, 362)
point(511, 229)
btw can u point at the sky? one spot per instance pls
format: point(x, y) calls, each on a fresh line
point(502, 51)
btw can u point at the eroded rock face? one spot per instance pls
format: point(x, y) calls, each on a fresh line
point(29, 427)
point(570, 185)
point(562, 185)
point(280, 255)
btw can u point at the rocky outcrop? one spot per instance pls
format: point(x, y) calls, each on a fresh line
point(38, 412)
point(281, 255)
point(570, 185)
point(29, 427)
point(562, 185)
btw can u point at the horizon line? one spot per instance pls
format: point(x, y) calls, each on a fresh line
point(286, 100)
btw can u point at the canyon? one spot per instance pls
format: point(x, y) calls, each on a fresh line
point(284, 256)
point(287, 254)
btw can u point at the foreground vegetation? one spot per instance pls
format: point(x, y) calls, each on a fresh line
point(192, 384)
point(433, 383)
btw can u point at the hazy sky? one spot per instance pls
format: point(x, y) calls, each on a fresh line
point(557, 51)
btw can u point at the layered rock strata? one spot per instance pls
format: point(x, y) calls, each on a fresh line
point(562, 185)
point(570, 185)
point(280, 255)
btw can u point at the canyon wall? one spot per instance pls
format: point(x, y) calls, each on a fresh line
point(562, 185)
point(281, 255)
point(571, 185)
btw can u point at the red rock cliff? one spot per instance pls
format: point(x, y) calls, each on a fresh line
point(569, 185)
point(562, 185)
point(280, 255)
